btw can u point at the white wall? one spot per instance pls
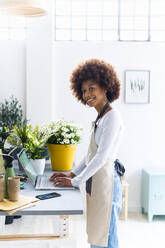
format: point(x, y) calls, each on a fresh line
point(12, 70)
point(143, 142)
point(39, 67)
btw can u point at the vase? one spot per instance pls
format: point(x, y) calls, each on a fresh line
point(61, 156)
point(38, 165)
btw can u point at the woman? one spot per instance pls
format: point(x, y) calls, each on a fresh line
point(95, 84)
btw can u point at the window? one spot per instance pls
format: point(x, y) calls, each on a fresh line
point(12, 28)
point(157, 25)
point(120, 20)
point(86, 20)
point(134, 20)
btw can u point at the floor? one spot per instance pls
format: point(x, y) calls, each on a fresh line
point(134, 233)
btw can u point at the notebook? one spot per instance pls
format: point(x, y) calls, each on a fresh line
point(40, 182)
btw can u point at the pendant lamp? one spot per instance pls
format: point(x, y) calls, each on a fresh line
point(27, 8)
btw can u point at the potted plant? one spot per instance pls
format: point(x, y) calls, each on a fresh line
point(36, 149)
point(61, 138)
point(18, 137)
point(11, 114)
point(33, 141)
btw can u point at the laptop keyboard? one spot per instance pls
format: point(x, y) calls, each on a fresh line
point(43, 182)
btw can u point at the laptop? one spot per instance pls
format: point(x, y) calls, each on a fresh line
point(40, 182)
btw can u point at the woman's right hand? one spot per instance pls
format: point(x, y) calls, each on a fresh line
point(61, 174)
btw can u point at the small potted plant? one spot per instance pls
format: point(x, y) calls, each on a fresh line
point(35, 148)
point(33, 141)
point(61, 138)
point(18, 137)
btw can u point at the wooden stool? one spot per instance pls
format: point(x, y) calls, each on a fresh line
point(124, 211)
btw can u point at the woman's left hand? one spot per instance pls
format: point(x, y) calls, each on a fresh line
point(62, 181)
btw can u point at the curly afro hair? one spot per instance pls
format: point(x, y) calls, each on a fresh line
point(99, 71)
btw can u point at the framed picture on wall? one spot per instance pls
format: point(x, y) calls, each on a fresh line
point(137, 86)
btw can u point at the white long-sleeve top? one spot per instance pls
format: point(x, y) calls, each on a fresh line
point(107, 137)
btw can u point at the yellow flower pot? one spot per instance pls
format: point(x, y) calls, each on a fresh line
point(61, 156)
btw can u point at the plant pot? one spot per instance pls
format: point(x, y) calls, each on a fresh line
point(61, 156)
point(38, 165)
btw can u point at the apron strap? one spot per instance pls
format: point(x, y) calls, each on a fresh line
point(89, 181)
point(101, 114)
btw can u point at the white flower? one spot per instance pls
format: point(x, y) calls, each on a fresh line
point(66, 141)
point(63, 129)
point(56, 128)
point(78, 133)
point(68, 136)
point(72, 135)
point(72, 141)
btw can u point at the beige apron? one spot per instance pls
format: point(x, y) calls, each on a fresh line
point(99, 203)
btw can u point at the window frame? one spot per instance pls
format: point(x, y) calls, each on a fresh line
point(118, 29)
point(9, 29)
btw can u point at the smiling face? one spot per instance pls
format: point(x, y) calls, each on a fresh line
point(93, 95)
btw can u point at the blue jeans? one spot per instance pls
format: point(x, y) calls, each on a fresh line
point(116, 207)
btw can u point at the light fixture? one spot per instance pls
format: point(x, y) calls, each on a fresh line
point(27, 8)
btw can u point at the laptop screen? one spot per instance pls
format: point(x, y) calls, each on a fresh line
point(28, 168)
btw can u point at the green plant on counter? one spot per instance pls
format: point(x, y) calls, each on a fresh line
point(11, 114)
point(19, 135)
point(36, 144)
point(30, 139)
